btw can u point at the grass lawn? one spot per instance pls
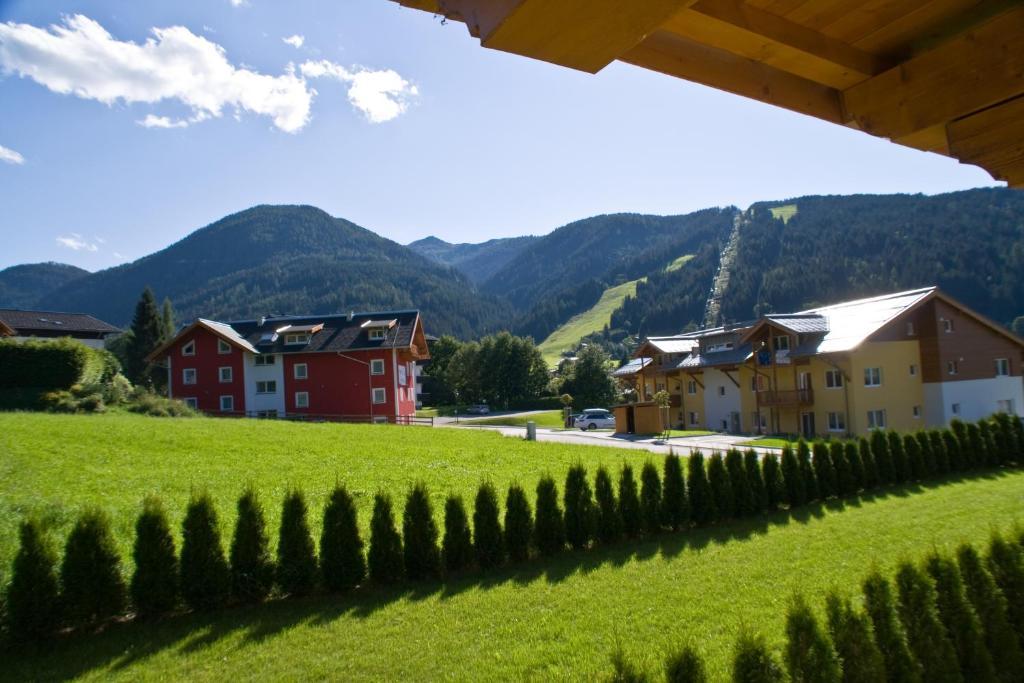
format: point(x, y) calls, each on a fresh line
point(679, 263)
point(588, 322)
point(784, 212)
point(680, 433)
point(548, 418)
point(771, 442)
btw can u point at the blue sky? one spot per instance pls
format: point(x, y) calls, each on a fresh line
point(111, 148)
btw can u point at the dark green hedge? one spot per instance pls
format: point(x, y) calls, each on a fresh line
point(49, 365)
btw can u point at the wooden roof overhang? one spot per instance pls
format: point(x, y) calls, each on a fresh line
point(944, 76)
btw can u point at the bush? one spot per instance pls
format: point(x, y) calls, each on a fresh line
point(154, 585)
point(32, 596)
point(900, 464)
point(580, 516)
point(810, 656)
point(844, 476)
point(924, 445)
point(1018, 438)
point(702, 502)
point(1005, 437)
point(915, 458)
point(960, 619)
point(609, 521)
point(205, 578)
point(883, 459)
point(675, 511)
point(926, 635)
point(92, 587)
point(252, 569)
point(296, 556)
point(488, 541)
point(991, 608)
point(342, 564)
point(422, 557)
point(975, 454)
point(146, 402)
point(959, 457)
point(384, 560)
point(867, 459)
point(796, 491)
point(1007, 567)
point(685, 666)
point(721, 491)
point(753, 662)
point(812, 491)
point(629, 503)
point(850, 631)
point(890, 637)
point(549, 528)
point(949, 459)
point(742, 495)
point(855, 465)
point(49, 364)
point(755, 478)
point(824, 470)
point(457, 544)
point(518, 524)
point(773, 489)
point(650, 498)
point(989, 447)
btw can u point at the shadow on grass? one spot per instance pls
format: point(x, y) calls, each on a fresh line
point(121, 645)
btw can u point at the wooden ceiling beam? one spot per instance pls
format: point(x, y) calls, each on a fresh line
point(750, 32)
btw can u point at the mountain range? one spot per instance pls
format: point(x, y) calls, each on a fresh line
point(610, 276)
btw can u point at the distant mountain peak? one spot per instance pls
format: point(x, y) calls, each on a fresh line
point(429, 241)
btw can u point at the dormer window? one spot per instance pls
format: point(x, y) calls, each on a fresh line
point(299, 338)
point(189, 349)
point(781, 343)
point(377, 334)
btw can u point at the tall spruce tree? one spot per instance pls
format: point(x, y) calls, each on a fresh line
point(342, 564)
point(810, 656)
point(629, 503)
point(154, 584)
point(549, 526)
point(457, 544)
point(147, 331)
point(721, 491)
point(488, 539)
point(205, 577)
point(824, 470)
point(990, 605)
point(793, 479)
point(773, 485)
point(609, 521)
point(580, 515)
point(32, 598)
point(852, 636)
point(92, 588)
point(742, 495)
point(675, 512)
point(252, 568)
point(167, 324)
point(900, 664)
point(296, 556)
point(518, 524)
point(926, 635)
point(702, 501)
point(384, 559)
point(650, 498)
point(421, 554)
point(960, 619)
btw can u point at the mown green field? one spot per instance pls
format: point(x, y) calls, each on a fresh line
point(549, 619)
point(592, 320)
point(548, 418)
point(784, 212)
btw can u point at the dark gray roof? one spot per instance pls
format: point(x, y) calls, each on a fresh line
point(340, 332)
point(715, 358)
point(800, 323)
point(23, 322)
point(632, 367)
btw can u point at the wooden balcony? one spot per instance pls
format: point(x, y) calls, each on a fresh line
point(785, 399)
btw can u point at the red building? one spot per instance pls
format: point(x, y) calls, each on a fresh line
point(358, 366)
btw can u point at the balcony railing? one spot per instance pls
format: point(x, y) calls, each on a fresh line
point(782, 399)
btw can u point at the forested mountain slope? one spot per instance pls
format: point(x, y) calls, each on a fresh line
point(477, 261)
point(23, 286)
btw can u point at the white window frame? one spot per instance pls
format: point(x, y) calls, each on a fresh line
point(265, 359)
point(379, 398)
point(266, 386)
point(377, 333)
point(1006, 405)
point(230, 376)
point(1002, 367)
point(231, 404)
point(192, 402)
point(189, 372)
point(952, 367)
point(872, 377)
point(189, 348)
point(376, 363)
point(691, 387)
point(301, 399)
point(297, 338)
point(223, 348)
point(305, 371)
point(877, 419)
point(835, 377)
point(836, 422)
point(780, 342)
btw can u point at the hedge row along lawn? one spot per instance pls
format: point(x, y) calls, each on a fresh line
point(553, 618)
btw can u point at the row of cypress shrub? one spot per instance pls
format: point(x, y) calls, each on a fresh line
point(90, 586)
point(953, 618)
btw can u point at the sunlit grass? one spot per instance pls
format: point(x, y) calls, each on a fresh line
point(592, 320)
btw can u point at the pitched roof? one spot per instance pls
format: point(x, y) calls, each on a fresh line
point(632, 367)
point(674, 344)
point(799, 323)
point(711, 359)
point(24, 321)
point(852, 322)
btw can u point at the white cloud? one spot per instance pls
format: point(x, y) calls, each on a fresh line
point(10, 156)
point(119, 256)
point(238, 3)
point(152, 121)
point(295, 41)
point(380, 95)
point(76, 242)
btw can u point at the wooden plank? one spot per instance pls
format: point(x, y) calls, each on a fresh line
point(976, 70)
point(902, 38)
point(737, 27)
point(676, 56)
point(932, 139)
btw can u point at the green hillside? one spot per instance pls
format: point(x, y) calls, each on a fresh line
point(23, 286)
point(477, 261)
point(590, 321)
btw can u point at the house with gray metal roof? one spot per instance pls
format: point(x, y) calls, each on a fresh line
point(24, 324)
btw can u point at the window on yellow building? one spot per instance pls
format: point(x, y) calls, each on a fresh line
point(876, 419)
point(917, 412)
point(872, 377)
point(913, 370)
point(836, 422)
point(693, 418)
point(691, 387)
point(833, 379)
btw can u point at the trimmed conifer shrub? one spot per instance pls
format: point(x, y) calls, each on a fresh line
point(793, 479)
point(1005, 437)
point(650, 498)
point(844, 477)
point(625, 671)
point(855, 465)
point(702, 501)
point(753, 662)
point(1007, 568)
point(92, 587)
point(773, 488)
point(457, 544)
point(812, 490)
point(939, 460)
point(629, 503)
point(868, 462)
point(549, 527)
point(205, 577)
point(851, 633)
point(900, 462)
point(742, 496)
point(33, 611)
point(824, 471)
point(252, 569)
point(953, 461)
point(488, 539)
point(580, 515)
point(959, 457)
point(154, 584)
point(609, 521)
point(891, 639)
point(989, 446)
point(810, 656)
point(384, 559)
point(974, 453)
point(924, 445)
point(990, 606)
point(959, 618)
point(685, 666)
point(1017, 424)
point(721, 490)
point(296, 556)
point(755, 478)
point(342, 565)
point(915, 458)
point(883, 459)
point(926, 635)
point(420, 553)
point(675, 512)
point(518, 524)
